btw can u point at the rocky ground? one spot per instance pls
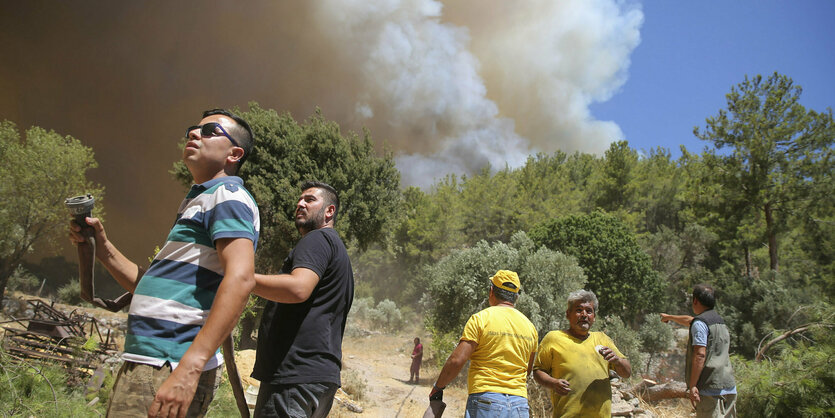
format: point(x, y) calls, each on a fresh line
point(376, 374)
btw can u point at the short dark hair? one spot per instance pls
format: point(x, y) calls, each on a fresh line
point(704, 294)
point(242, 133)
point(329, 193)
point(504, 295)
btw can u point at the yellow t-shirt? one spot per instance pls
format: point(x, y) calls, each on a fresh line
point(506, 339)
point(565, 357)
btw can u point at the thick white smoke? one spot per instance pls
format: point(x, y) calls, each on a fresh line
point(467, 83)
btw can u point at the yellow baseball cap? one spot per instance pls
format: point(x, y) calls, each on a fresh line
point(507, 280)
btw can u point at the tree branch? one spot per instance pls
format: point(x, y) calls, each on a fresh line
point(787, 334)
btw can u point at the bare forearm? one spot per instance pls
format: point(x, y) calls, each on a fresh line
point(126, 272)
point(543, 378)
point(622, 367)
point(451, 369)
point(683, 320)
point(696, 369)
point(295, 287)
point(272, 287)
point(455, 362)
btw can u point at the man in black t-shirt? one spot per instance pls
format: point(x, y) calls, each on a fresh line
point(299, 352)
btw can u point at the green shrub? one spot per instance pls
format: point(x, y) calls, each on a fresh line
point(655, 337)
point(361, 308)
point(443, 344)
point(390, 317)
point(354, 385)
point(106, 388)
point(457, 286)
point(33, 388)
point(22, 280)
point(385, 316)
point(223, 405)
point(625, 338)
point(755, 308)
point(70, 294)
point(618, 270)
point(800, 381)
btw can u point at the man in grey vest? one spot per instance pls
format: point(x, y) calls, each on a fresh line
point(708, 372)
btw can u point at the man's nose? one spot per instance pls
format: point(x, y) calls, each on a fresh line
point(194, 134)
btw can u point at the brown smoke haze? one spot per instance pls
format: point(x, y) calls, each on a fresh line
point(449, 87)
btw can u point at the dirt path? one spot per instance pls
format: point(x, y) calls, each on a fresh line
point(383, 362)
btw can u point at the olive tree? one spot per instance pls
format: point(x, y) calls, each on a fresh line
point(39, 171)
point(457, 285)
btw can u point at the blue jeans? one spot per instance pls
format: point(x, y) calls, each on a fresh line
point(496, 405)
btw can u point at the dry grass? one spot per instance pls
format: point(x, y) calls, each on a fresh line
point(354, 385)
point(669, 408)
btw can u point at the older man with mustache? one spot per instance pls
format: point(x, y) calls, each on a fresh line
point(575, 363)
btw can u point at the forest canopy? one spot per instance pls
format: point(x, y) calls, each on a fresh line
point(753, 215)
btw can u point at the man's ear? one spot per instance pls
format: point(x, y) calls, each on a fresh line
point(235, 155)
point(329, 211)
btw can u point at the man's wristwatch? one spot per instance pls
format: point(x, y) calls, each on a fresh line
point(437, 393)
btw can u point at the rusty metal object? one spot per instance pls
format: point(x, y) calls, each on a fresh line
point(52, 336)
point(81, 207)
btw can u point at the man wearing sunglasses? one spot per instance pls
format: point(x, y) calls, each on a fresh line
point(190, 298)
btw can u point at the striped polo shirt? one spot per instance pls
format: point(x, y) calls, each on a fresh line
point(173, 298)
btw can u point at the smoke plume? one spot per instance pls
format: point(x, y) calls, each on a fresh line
point(463, 84)
point(449, 87)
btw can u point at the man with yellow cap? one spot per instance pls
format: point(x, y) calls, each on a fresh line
point(500, 343)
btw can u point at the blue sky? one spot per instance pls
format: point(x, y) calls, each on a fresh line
point(692, 53)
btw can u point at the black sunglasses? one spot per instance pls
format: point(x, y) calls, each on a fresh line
point(212, 129)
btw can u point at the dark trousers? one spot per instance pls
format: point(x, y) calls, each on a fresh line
point(303, 400)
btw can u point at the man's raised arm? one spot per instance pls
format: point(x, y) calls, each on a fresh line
point(683, 320)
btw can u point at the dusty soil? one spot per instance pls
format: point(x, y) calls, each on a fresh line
point(383, 362)
point(375, 374)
